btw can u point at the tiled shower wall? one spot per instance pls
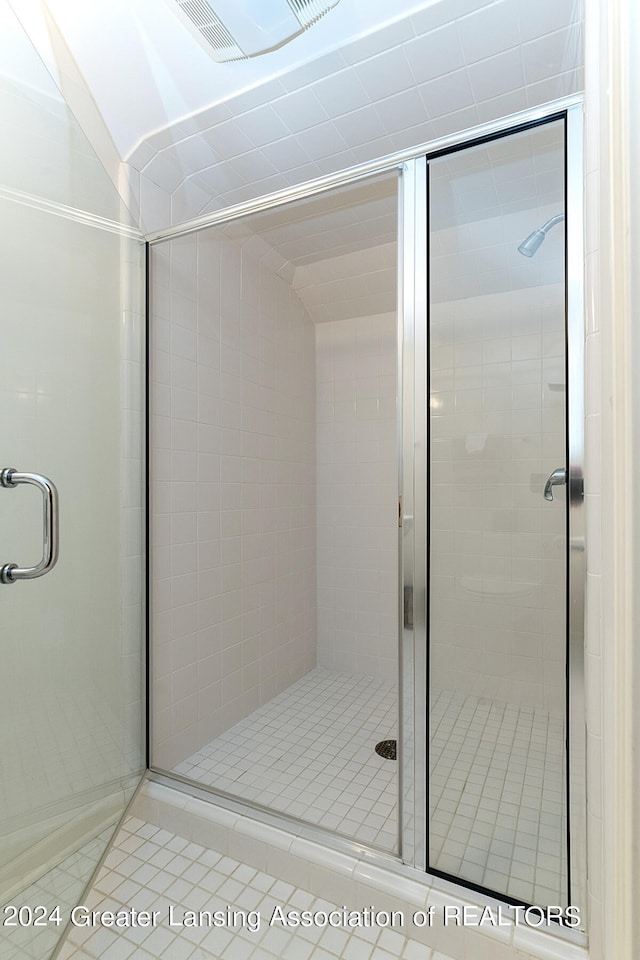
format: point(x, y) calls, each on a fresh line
point(357, 495)
point(497, 547)
point(132, 486)
point(233, 494)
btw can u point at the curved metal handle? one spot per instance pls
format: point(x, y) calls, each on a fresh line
point(11, 572)
point(557, 477)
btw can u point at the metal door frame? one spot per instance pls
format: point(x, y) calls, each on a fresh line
point(413, 471)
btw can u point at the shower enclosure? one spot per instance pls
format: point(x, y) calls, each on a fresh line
point(365, 509)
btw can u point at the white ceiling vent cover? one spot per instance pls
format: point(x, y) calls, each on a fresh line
point(239, 29)
point(309, 12)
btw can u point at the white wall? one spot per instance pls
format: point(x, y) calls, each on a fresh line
point(611, 474)
point(233, 495)
point(357, 495)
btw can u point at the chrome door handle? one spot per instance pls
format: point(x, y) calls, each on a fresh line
point(557, 477)
point(11, 572)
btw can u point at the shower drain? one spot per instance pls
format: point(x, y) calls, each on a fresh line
point(387, 749)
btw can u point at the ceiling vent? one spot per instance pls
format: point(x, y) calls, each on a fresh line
point(239, 29)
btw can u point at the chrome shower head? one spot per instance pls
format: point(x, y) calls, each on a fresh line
point(530, 246)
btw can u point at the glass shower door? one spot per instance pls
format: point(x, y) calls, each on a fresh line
point(497, 559)
point(71, 390)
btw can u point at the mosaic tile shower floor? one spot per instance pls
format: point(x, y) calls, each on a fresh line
point(310, 752)
point(497, 776)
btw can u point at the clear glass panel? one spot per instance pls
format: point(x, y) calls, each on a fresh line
point(497, 545)
point(45, 151)
point(274, 505)
point(72, 400)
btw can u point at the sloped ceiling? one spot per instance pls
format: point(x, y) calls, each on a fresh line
point(146, 71)
point(338, 250)
point(430, 75)
point(199, 136)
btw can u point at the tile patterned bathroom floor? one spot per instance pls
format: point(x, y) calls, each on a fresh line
point(63, 885)
point(497, 782)
point(149, 868)
point(310, 753)
point(497, 820)
point(498, 812)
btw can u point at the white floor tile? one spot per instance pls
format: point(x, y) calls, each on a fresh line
point(310, 753)
point(492, 765)
point(61, 886)
point(497, 776)
point(245, 935)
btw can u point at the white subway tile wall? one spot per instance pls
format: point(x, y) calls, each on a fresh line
point(357, 495)
point(233, 494)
